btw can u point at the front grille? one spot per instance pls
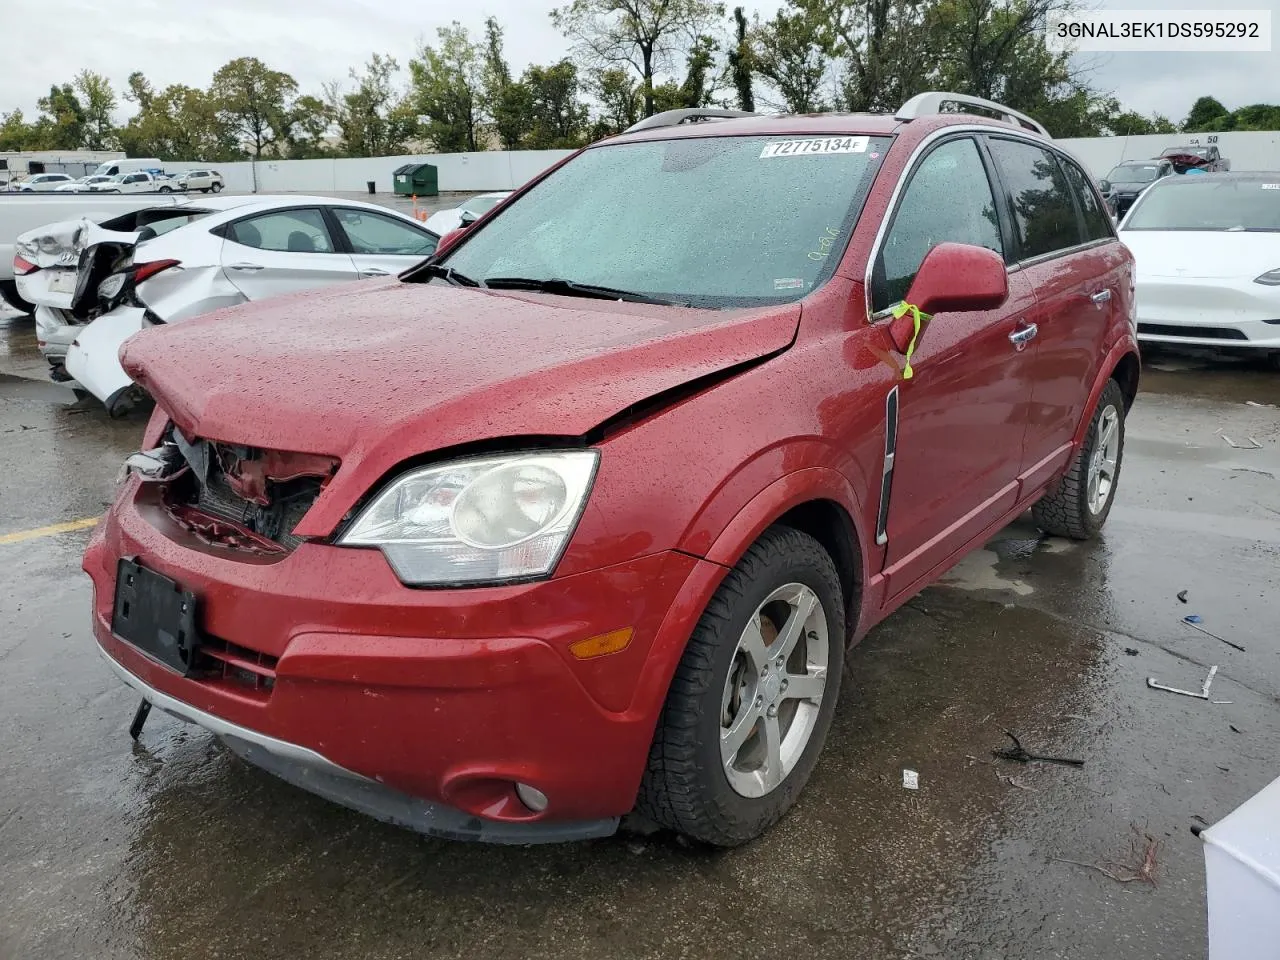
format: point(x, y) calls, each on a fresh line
point(1204, 333)
point(243, 498)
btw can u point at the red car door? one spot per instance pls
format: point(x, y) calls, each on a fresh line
point(1069, 253)
point(962, 416)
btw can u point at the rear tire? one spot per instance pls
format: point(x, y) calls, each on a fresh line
point(216, 188)
point(166, 190)
point(9, 293)
point(1081, 504)
point(766, 692)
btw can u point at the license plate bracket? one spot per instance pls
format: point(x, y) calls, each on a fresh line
point(155, 615)
point(63, 281)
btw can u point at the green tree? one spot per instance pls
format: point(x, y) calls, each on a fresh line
point(508, 102)
point(1257, 116)
point(99, 102)
point(312, 123)
point(559, 116)
point(644, 35)
point(179, 123)
point(256, 101)
point(447, 87)
point(375, 119)
point(619, 98)
point(140, 90)
point(15, 132)
point(697, 88)
point(1207, 116)
point(61, 125)
point(742, 62)
point(789, 53)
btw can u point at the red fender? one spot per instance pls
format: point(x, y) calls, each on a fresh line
point(1120, 349)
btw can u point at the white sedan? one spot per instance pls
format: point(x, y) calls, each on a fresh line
point(82, 184)
point(95, 286)
point(1207, 251)
point(442, 221)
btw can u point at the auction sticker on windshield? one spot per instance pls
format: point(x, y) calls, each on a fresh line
point(798, 148)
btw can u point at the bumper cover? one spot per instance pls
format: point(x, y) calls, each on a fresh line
point(309, 770)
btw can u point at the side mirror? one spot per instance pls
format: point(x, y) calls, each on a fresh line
point(957, 278)
point(467, 218)
point(1105, 185)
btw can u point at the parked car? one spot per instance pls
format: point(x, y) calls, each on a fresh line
point(1127, 180)
point(206, 181)
point(81, 184)
point(171, 263)
point(44, 182)
point(1209, 159)
point(110, 168)
point(1207, 252)
point(581, 515)
point(140, 181)
point(23, 213)
point(445, 221)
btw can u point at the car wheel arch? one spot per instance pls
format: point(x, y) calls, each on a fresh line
point(1123, 364)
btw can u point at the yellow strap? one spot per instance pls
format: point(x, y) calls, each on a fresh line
point(920, 319)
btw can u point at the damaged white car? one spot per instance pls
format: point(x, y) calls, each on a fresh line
point(95, 285)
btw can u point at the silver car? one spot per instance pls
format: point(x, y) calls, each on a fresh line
point(95, 285)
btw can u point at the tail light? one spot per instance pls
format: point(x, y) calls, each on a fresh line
point(22, 266)
point(145, 271)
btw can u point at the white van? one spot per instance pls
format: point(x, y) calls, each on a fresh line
point(112, 167)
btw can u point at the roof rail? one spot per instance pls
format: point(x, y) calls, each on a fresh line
point(935, 102)
point(671, 118)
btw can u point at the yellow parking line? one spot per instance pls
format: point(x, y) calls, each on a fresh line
point(49, 531)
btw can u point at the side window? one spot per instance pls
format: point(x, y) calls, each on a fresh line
point(1097, 224)
point(947, 198)
point(288, 231)
point(1043, 212)
point(374, 233)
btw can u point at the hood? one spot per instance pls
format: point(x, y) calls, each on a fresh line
point(1129, 189)
point(377, 372)
point(1209, 254)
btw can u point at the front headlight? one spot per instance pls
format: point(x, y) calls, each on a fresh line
point(475, 521)
point(1271, 278)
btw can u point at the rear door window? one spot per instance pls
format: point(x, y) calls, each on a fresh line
point(948, 198)
point(1097, 223)
point(1043, 212)
point(287, 231)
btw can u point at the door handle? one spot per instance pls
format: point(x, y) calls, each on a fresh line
point(1024, 335)
point(374, 272)
point(245, 266)
point(1101, 297)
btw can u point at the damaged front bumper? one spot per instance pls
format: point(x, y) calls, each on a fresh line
point(93, 359)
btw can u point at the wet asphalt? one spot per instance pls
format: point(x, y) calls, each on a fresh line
point(172, 848)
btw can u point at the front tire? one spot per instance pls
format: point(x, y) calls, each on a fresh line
point(1081, 504)
point(752, 699)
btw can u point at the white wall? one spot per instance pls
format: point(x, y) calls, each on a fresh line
point(488, 170)
point(1246, 151)
point(506, 170)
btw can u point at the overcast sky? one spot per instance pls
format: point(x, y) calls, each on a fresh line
point(183, 41)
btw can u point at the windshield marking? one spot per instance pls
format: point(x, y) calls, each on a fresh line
point(814, 145)
point(825, 243)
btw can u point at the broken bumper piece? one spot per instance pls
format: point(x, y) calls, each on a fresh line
point(311, 771)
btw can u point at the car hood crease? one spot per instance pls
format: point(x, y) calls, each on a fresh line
point(390, 370)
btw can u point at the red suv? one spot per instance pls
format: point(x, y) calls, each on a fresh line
point(582, 516)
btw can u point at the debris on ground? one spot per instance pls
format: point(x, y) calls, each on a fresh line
point(1255, 403)
point(1182, 596)
point(1130, 652)
point(1154, 684)
point(1192, 618)
point(1234, 728)
point(1141, 868)
point(1194, 623)
point(1020, 754)
point(1251, 445)
point(910, 780)
point(1015, 782)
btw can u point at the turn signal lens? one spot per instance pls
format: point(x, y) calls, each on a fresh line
point(606, 643)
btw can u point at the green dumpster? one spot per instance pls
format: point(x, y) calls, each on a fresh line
point(416, 180)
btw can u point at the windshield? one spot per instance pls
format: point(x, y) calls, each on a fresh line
point(478, 205)
point(118, 178)
point(710, 221)
point(1127, 174)
point(1209, 203)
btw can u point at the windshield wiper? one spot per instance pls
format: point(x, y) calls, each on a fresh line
point(571, 288)
point(449, 274)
